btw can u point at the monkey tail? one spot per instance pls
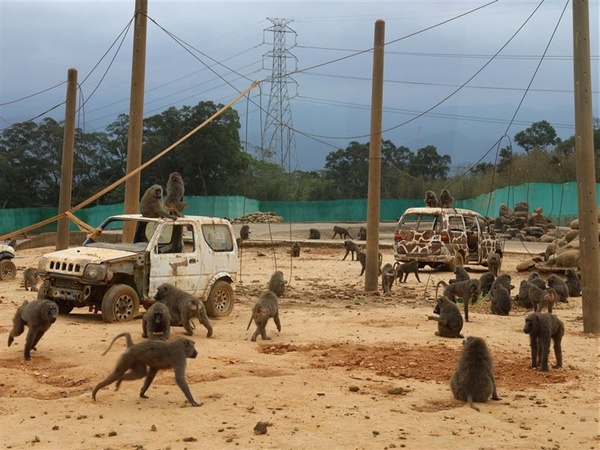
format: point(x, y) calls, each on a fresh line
point(126, 335)
point(441, 282)
point(251, 317)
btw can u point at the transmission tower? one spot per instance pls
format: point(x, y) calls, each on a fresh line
point(280, 142)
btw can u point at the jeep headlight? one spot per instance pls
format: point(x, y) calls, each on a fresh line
point(95, 272)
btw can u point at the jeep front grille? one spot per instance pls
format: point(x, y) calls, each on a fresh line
point(65, 268)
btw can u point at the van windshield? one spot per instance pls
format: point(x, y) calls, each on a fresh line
point(420, 222)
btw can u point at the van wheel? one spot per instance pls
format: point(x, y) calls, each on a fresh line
point(8, 270)
point(120, 304)
point(459, 260)
point(64, 307)
point(220, 300)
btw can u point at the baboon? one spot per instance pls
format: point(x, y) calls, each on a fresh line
point(573, 283)
point(266, 307)
point(494, 263)
point(402, 270)
point(174, 198)
point(146, 358)
point(277, 283)
point(362, 234)
point(461, 275)
point(468, 290)
point(485, 282)
point(362, 258)
point(446, 200)
point(245, 232)
point(152, 204)
point(474, 380)
point(500, 300)
point(295, 250)
point(450, 321)
point(156, 320)
point(547, 301)
point(313, 233)
point(351, 247)
point(559, 285)
point(388, 275)
point(182, 308)
point(431, 199)
point(504, 280)
point(344, 233)
point(38, 315)
point(541, 327)
point(535, 278)
point(30, 279)
point(522, 298)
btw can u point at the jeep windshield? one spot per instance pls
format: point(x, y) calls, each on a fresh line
point(110, 234)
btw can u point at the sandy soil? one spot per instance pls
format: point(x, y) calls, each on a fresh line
point(348, 371)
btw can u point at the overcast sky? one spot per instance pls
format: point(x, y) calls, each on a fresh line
point(455, 76)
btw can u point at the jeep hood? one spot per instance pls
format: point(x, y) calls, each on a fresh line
point(84, 255)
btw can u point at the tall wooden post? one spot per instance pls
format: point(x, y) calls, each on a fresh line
point(374, 194)
point(66, 170)
point(586, 171)
point(136, 114)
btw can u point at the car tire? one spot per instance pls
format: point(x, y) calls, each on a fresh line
point(8, 270)
point(120, 304)
point(220, 300)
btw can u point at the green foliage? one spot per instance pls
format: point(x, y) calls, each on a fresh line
point(539, 135)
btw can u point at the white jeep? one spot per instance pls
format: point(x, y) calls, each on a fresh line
point(8, 270)
point(195, 253)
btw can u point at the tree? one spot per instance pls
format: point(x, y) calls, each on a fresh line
point(539, 135)
point(348, 170)
point(429, 164)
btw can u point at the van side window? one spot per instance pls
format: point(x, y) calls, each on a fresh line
point(456, 223)
point(218, 237)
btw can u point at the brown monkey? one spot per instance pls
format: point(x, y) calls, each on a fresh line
point(402, 270)
point(522, 298)
point(500, 300)
point(277, 283)
point(485, 282)
point(446, 200)
point(494, 261)
point(450, 321)
point(362, 234)
point(152, 204)
point(474, 380)
point(351, 247)
point(541, 327)
point(540, 298)
point(461, 275)
point(468, 290)
point(266, 307)
point(573, 283)
point(559, 285)
point(343, 232)
point(182, 308)
point(30, 279)
point(174, 198)
point(535, 278)
point(431, 199)
point(362, 258)
point(505, 280)
point(38, 315)
point(245, 232)
point(388, 275)
point(313, 233)
point(146, 358)
point(295, 250)
point(156, 320)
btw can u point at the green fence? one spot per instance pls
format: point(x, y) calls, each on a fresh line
point(559, 202)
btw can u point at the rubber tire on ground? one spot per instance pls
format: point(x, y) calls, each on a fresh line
point(8, 270)
point(220, 300)
point(459, 260)
point(120, 304)
point(64, 307)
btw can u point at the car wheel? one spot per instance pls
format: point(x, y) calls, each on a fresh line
point(8, 270)
point(220, 300)
point(120, 304)
point(64, 307)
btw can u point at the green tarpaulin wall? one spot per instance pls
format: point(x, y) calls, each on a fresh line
point(558, 201)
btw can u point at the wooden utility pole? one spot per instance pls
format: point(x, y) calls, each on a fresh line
point(66, 170)
point(136, 114)
point(374, 194)
point(587, 205)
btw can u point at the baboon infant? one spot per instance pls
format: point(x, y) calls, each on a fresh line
point(38, 315)
point(450, 321)
point(277, 283)
point(175, 189)
point(182, 308)
point(541, 327)
point(30, 279)
point(295, 250)
point(402, 270)
point(474, 380)
point(156, 320)
point(151, 204)
point(266, 307)
point(146, 358)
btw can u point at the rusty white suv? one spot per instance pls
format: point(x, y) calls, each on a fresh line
point(444, 237)
point(195, 253)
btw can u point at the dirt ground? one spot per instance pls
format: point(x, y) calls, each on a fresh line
point(347, 371)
